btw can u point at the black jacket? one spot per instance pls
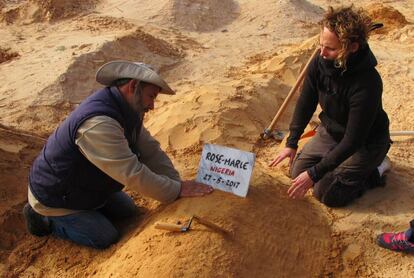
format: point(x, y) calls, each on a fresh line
point(352, 111)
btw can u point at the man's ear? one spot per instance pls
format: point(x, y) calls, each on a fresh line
point(354, 47)
point(131, 86)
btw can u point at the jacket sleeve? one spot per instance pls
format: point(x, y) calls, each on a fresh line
point(101, 140)
point(154, 157)
point(363, 106)
point(305, 106)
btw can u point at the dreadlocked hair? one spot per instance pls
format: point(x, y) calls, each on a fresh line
point(349, 25)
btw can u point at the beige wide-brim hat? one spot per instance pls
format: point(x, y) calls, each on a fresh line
point(115, 70)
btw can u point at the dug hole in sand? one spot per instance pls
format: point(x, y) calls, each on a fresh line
point(232, 64)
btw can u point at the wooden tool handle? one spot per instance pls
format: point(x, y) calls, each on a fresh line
point(211, 225)
point(292, 91)
point(401, 133)
point(168, 227)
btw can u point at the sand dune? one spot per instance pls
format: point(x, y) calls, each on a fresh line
point(232, 64)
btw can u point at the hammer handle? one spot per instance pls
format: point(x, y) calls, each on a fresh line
point(211, 225)
point(168, 227)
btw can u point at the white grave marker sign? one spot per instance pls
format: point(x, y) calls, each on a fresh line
point(226, 169)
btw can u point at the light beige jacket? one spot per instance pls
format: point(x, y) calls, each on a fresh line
point(101, 140)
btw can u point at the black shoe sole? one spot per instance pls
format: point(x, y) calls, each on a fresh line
point(34, 222)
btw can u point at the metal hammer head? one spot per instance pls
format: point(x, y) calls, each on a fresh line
point(187, 227)
point(275, 134)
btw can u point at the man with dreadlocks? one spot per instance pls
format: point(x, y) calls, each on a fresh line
point(347, 155)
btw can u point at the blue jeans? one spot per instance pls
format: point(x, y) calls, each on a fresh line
point(94, 228)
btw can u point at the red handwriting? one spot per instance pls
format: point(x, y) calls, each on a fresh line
point(222, 170)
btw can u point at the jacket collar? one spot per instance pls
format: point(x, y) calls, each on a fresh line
point(359, 61)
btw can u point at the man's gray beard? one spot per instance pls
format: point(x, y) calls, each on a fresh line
point(136, 101)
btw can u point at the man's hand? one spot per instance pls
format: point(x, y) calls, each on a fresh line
point(285, 153)
point(191, 188)
point(300, 186)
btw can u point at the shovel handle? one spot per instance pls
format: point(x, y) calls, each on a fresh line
point(168, 227)
point(292, 91)
point(401, 133)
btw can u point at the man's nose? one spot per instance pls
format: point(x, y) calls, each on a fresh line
point(323, 51)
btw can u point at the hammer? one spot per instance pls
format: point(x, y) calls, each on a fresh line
point(185, 228)
point(174, 227)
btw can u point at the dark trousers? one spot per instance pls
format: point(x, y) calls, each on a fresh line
point(94, 228)
point(350, 179)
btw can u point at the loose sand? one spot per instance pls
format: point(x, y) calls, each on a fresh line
point(232, 64)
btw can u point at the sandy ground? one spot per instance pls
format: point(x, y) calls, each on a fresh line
point(232, 64)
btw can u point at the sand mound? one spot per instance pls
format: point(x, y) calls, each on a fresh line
point(300, 7)
point(39, 10)
point(201, 15)
point(93, 23)
point(298, 12)
point(57, 9)
point(6, 55)
point(79, 80)
point(12, 230)
point(390, 17)
point(231, 113)
point(261, 243)
point(17, 151)
point(47, 106)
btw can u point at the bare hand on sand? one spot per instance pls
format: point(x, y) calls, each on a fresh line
point(192, 188)
point(300, 185)
point(286, 152)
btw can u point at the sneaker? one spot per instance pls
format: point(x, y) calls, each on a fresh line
point(385, 166)
point(396, 241)
point(36, 223)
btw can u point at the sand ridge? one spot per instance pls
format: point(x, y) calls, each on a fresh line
point(27, 12)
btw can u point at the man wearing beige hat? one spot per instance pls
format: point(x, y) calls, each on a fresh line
point(75, 184)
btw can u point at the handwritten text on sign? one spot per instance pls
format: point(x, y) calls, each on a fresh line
point(226, 169)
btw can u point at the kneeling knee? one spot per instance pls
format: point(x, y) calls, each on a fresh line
point(330, 199)
point(333, 202)
point(105, 241)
